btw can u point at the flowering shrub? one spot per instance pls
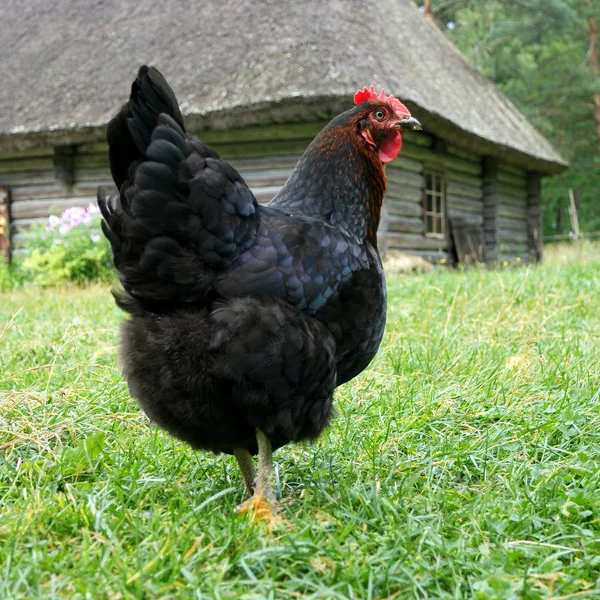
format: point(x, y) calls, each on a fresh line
point(68, 248)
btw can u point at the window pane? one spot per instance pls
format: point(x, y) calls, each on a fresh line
point(434, 204)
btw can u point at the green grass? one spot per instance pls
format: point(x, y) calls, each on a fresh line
point(465, 463)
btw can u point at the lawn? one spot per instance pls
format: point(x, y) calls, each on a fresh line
point(464, 463)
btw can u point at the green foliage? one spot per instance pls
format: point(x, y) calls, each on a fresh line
point(537, 52)
point(10, 276)
point(68, 249)
point(463, 464)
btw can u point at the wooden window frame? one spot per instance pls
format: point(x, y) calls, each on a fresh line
point(439, 201)
point(5, 246)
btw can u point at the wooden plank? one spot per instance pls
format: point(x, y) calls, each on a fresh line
point(420, 154)
point(513, 182)
point(22, 193)
point(512, 211)
point(510, 200)
point(256, 149)
point(465, 204)
point(466, 191)
point(463, 166)
point(63, 165)
point(433, 256)
point(47, 151)
point(92, 175)
point(20, 225)
point(284, 161)
point(401, 177)
point(403, 208)
point(90, 161)
point(511, 169)
point(468, 241)
point(27, 165)
point(405, 224)
point(262, 133)
point(417, 138)
point(507, 235)
point(510, 191)
point(90, 188)
point(490, 206)
point(45, 207)
point(29, 178)
point(462, 154)
point(266, 177)
point(464, 178)
point(467, 217)
point(512, 224)
point(413, 241)
point(5, 228)
point(534, 215)
point(406, 164)
point(404, 192)
point(97, 148)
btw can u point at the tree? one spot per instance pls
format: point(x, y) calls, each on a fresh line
point(543, 54)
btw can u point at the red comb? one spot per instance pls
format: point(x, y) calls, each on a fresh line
point(370, 94)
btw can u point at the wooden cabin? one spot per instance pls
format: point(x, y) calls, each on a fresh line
point(258, 84)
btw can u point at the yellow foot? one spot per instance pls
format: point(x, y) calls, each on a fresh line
point(262, 508)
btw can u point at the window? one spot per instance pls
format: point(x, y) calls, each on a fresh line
point(435, 205)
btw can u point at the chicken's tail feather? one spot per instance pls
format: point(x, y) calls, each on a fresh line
point(157, 273)
point(129, 132)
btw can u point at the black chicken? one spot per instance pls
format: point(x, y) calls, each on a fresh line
point(244, 318)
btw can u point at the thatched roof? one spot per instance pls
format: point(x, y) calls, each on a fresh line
point(66, 66)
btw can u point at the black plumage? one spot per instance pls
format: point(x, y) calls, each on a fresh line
point(243, 317)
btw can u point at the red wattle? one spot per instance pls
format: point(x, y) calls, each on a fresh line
point(390, 147)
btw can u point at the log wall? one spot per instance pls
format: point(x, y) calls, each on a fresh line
point(48, 180)
point(512, 213)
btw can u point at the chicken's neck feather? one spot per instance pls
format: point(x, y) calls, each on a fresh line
point(340, 178)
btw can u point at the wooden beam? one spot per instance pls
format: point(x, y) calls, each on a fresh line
point(403, 208)
point(5, 248)
point(64, 165)
point(490, 206)
point(534, 215)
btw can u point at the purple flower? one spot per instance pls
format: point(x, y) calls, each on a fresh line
point(73, 217)
point(95, 238)
point(93, 209)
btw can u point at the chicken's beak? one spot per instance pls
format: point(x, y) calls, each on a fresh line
point(408, 123)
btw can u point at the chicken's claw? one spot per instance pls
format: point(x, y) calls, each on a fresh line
point(261, 510)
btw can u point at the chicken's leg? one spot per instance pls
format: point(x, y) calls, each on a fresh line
point(244, 461)
point(262, 503)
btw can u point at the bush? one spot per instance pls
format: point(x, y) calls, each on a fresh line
point(10, 276)
point(69, 248)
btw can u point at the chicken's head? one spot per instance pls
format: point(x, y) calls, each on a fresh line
point(381, 120)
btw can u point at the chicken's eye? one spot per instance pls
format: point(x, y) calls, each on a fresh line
point(379, 115)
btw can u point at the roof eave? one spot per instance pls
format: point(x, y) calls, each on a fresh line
point(468, 140)
point(293, 110)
